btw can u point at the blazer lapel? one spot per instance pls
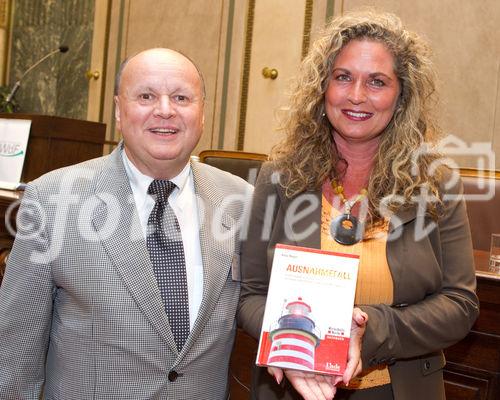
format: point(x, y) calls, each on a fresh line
point(306, 230)
point(311, 221)
point(126, 246)
point(402, 217)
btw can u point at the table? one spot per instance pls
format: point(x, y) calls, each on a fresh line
point(8, 201)
point(473, 365)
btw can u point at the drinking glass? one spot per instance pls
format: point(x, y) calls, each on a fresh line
point(495, 253)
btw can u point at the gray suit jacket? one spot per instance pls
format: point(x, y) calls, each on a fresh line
point(80, 311)
point(434, 282)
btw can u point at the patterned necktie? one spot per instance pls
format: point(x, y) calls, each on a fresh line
point(164, 242)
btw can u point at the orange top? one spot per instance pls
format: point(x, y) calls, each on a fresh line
point(374, 285)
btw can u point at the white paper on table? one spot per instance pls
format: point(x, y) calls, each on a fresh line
point(14, 134)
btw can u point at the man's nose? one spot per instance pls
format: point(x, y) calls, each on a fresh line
point(164, 107)
point(357, 94)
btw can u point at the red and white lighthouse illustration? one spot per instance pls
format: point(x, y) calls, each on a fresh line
point(295, 338)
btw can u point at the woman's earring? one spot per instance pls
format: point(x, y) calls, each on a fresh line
point(323, 115)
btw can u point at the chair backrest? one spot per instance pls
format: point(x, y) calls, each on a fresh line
point(243, 164)
point(483, 210)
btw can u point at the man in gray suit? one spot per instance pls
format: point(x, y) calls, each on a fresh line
point(86, 309)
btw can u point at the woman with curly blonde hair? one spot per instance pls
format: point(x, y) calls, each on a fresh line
point(355, 174)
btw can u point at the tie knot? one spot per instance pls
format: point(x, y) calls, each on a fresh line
point(161, 189)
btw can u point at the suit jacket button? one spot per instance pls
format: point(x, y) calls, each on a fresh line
point(427, 365)
point(172, 376)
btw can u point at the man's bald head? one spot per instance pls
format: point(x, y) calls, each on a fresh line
point(124, 63)
point(159, 110)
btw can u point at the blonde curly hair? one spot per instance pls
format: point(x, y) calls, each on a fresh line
point(307, 156)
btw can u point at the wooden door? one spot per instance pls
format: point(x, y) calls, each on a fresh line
point(275, 37)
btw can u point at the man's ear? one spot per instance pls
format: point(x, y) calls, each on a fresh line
point(117, 111)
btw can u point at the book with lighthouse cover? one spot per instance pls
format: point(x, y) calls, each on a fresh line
point(307, 320)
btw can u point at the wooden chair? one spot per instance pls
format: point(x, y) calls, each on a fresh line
point(243, 164)
point(4, 253)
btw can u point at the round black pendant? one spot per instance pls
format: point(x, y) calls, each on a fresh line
point(345, 229)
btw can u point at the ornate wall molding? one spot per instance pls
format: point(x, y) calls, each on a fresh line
point(307, 27)
point(4, 14)
point(246, 74)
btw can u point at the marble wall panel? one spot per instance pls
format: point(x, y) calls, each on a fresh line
point(58, 86)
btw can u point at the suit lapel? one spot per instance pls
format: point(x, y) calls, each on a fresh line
point(126, 246)
point(217, 248)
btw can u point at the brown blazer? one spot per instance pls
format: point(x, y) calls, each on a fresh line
point(434, 305)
